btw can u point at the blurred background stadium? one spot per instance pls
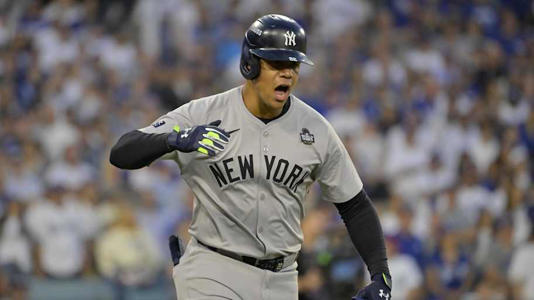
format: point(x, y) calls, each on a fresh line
point(433, 99)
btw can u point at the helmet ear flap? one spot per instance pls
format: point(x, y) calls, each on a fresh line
point(250, 64)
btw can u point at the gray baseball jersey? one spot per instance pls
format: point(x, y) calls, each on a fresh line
point(249, 197)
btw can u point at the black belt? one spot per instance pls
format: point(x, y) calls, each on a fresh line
point(273, 265)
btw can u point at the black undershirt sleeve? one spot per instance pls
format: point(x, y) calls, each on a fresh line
point(137, 149)
point(365, 231)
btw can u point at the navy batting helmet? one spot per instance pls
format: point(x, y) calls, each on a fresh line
point(272, 37)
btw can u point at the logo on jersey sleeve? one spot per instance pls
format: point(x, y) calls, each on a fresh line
point(306, 137)
point(158, 123)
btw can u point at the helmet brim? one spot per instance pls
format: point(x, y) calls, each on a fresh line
point(282, 55)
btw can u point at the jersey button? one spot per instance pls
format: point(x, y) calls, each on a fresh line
point(265, 149)
point(266, 133)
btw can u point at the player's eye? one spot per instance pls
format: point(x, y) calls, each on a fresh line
point(281, 65)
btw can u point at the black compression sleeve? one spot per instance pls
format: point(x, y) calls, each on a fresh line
point(137, 149)
point(365, 230)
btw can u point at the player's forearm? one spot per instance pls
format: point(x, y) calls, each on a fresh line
point(365, 231)
point(137, 149)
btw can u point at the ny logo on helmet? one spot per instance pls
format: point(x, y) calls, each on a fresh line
point(290, 38)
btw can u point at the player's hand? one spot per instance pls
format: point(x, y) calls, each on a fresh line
point(379, 289)
point(206, 139)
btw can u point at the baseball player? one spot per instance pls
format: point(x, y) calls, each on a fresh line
point(250, 155)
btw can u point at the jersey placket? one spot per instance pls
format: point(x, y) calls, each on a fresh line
point(265, 148)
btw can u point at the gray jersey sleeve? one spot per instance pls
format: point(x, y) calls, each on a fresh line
point(337, 176)
point(166, 123)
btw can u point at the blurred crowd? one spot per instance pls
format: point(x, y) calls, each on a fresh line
point(433, 99)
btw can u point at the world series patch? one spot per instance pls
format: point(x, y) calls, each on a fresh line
point(306, 137)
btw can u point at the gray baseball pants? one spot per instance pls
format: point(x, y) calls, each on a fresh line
point(206, 275)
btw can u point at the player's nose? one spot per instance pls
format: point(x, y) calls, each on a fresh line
point(287, 73)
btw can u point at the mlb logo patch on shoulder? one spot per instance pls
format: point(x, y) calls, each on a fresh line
point(306, 137)
point(158, 123)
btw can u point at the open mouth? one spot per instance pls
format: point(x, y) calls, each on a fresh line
point(281, 92)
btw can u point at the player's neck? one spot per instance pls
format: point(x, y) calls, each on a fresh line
point(255, 105)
